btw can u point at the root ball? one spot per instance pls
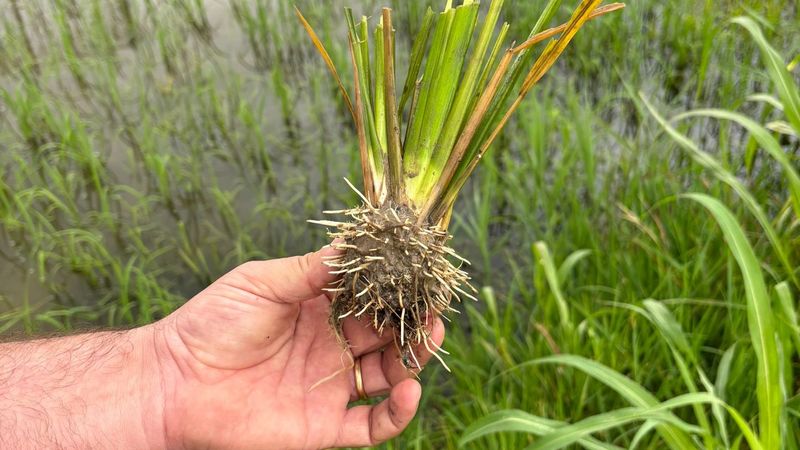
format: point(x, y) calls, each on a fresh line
point(395, 274)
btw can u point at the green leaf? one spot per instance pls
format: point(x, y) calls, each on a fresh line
point(719, 388)
point(671, 330)
point(784, 83)
point(668, 325)
point(466, 90)
point(490, 64)
point(724, 371)
point(789, 313)
point(707, 161)
point(570, 262)
point(569, 434)
point(443, 86)
point(358, 36)
point(643, 431)
point(764, 139)
point(380, 87)
point(631, 391)
point(514, 420)
point(544, 258)
point(747, 432)
point(766, 98)
point(760, 321)
point(417, 54)
point(516, 71)
point(411, 159)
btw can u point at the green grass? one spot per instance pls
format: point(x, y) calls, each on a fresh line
point(635, 230)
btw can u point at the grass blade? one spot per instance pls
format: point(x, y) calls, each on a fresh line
point(520, 421)
point(789, 313)
point(466, 89)
point(719, 388)
point(668, 325)
point(544, 258)
point(545, 61)
point(787, 89)
point(505, 88)
point(368, 171)
point(631, 391)
point(569, 434)
point(490, 64)
point(380, 85)
point(550, 32)
point(412, 159)
point(671, 330)
point(327, 58)
point(643, 431)
point(744, 427)
point(442, 96)
point(443, 196)
point(707, 161)
point(763, 137)
point(358, 37)
point(760, 321)
point(417, 54)
point(565, 269)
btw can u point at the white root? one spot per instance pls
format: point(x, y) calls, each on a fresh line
point(402, 326)
point(437, 356)
point(364, 309)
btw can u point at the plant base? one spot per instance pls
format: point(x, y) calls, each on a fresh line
point(395, 274)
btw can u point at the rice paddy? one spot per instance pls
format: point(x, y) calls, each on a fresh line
point(633, 233)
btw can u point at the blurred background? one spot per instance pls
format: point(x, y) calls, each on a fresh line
point(147, 147)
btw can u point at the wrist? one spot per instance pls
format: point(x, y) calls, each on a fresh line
point(151, 389)
point(167, 381)
point(95, 390)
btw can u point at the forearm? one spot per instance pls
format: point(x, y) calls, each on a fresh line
point(95, 390)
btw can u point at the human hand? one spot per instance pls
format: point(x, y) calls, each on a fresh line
point(252, 362)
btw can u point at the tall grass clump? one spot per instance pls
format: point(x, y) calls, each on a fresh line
point(396, 268)
point(704, 408)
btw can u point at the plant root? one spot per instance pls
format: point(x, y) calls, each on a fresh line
point(395, 273)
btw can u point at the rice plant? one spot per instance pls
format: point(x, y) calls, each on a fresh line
point(396, 268)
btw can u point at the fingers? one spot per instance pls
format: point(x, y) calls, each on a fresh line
point(289, 280)
point(370, 425)
point(374, 378)
point(382, 370)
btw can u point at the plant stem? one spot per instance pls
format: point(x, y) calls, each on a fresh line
point(394, 153)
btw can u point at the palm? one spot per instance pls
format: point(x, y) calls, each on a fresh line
point(260, 367)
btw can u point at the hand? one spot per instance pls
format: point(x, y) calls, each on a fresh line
point(252, 363)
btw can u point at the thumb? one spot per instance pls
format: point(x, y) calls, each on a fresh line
point(290, 280)
point(230, 323)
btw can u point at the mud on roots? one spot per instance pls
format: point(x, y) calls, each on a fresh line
point(395, 274)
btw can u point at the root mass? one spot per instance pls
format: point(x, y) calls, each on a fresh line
point(395, 274)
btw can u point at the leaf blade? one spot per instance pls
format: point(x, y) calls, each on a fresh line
point(327, 58)
point(760, 319)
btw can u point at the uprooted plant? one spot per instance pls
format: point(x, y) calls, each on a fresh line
point(396, 270)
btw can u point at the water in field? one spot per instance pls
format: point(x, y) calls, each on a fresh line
point(150, 146)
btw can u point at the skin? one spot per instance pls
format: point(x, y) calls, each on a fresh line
point(248, 363)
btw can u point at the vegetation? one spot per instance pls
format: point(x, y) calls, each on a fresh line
point(634, 231)
point(395, 268)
